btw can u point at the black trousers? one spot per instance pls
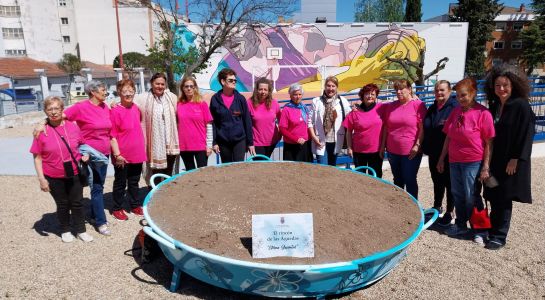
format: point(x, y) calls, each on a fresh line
point(265, 150)
point(232, 152)
point(171, 159)
point(128, 177)
point(371, 160)
point(189, 158)
point(500, 218)
point(68, 195)
point(331, 156)
point(297, 152)
point(441, 183)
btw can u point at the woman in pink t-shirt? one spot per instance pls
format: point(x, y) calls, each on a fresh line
point(128, 150)
point(364, 130)
point(402, 136)
point(194, 125)
point(265, 112)
point(469, 130)
point(57, 171)
point(293, 126)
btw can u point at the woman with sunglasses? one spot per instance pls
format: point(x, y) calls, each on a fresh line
point(128, 150)
point(194, 125)
point(232, 126)
point(469, 130)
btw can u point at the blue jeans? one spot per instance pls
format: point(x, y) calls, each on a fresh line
point(97, 193)
point(405, 171)
point(465, 189)
point(329, 157)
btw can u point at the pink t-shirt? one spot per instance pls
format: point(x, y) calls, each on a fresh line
point(402, 125)
point(127, 131)
point(292, 125)
point(94, 123)
point(192, 120)
point(264, 123)
point(228, 100)
point(366, 127)
point(53, 150)
point(467, 132)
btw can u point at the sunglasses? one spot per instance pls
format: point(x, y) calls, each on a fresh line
point(230, 80)
point(460, 121)
point(188, 86)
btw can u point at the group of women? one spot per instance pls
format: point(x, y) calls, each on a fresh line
point(467, 143)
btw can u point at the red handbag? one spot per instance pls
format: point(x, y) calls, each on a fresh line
point(479, 218)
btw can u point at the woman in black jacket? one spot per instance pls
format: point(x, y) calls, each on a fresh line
point(232, 124)
point(507, 91)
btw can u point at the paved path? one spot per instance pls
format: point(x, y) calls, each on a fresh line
point(15, 158)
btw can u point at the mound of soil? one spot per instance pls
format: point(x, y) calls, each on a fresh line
point(354, 216)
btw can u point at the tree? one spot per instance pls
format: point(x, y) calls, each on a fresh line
point(413, 11)
point(533, 40)
point(70, 64)
point(480, 15)
point(220, 21)
point(378, 11)
point(131, 60)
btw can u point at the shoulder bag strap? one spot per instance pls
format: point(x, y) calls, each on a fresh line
point(66, 144)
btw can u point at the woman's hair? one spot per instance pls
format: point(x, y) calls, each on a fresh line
point(222, 75)
point(255, 95)
point(51, 99)
point(519, 83)
point(93, 86)
point(123, 83)
point(294, 88)
point(196, 95)
point(371, 87)
point(158, 75)
point(401, 84)
point(438, 83)
point(468, 83)
point(332, 79)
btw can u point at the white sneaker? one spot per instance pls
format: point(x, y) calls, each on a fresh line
point(479, 240)
point(104, 230)
point(67, 237)
point(84, 236)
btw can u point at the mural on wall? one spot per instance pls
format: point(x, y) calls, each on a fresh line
point(305, 54)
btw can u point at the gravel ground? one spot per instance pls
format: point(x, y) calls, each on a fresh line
point(38, 265)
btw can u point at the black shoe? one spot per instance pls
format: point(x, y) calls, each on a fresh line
point(494, 245)
point(445, 220)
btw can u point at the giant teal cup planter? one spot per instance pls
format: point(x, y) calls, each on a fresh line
point(275, 280)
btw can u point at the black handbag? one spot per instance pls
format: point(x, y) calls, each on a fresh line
point(83, 170)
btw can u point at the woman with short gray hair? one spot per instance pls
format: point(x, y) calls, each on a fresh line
point(93, 118)
point(293, 126)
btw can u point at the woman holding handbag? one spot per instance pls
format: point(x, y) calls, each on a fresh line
point(56, 162)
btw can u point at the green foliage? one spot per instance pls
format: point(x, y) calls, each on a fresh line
point(70, 64)
point(131, 60)
point(413, 11)
point(480, 15)
point(379, 11)
point(533, 40)
point(161, 57)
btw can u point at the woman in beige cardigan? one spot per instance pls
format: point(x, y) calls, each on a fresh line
point(158, 107)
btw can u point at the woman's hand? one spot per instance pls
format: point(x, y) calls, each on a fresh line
point(511, 166)
point(440, 166)
point(319, 144)
point(251, 149)
point(44, 184)
point(209, 151)
point(39, 128)
point(216, 148)
point(301, 141)
point(120, 161)
point(85, 158)
point(414, 151)
point(485, 174)
point(349, 152)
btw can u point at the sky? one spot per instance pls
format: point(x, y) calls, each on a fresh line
point(430, 8)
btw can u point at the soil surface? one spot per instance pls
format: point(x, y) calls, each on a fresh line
point(354, 215)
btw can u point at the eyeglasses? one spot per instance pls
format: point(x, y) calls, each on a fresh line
point(53, 109)
point(127, 95)
point(189, 86)
point(230, 80)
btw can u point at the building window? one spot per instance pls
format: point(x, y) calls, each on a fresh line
point(66, 38)
point(12, 33)
point(64, 21)
point(10, 11)
point(15, 52)
point(517, 26)
point(500, 26)
point(62, 2)
point(516, 44)
point(498, 44)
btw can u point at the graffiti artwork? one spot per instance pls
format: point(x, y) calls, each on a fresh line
point(307, 53)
